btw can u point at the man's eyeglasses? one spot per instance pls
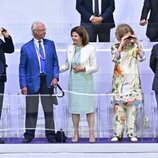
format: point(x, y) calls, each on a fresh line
point(43, 30)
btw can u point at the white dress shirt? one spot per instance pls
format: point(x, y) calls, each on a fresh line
point(93, 4)
point(36, 43)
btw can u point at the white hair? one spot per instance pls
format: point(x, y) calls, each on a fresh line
point(35, 24)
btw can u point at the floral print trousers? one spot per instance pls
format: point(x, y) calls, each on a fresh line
point(125, 116)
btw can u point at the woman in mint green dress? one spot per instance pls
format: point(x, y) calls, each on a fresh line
point(81, 60)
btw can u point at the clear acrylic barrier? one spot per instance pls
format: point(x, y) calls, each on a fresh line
point(13, 114)
point(106, 113)
point(13, 117)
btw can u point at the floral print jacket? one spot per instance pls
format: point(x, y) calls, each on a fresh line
point(126, 86)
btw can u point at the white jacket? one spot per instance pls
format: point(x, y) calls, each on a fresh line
point(88, 58)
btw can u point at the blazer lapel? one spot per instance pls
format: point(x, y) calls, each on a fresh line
point(46, 47)
point(84, 54)
point(33, 50)
point(91, 4)
point(71, 53)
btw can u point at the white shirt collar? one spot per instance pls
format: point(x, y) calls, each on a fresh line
point(36, 41)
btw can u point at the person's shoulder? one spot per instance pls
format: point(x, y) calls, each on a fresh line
point(70, 46)
point(90, 46)
point(48, 40)
point(115, 46)
point(27, 44)
point(155, 45)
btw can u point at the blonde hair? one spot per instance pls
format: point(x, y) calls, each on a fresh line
point(123, 29)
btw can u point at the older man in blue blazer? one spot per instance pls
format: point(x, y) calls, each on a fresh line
point(38, 74)
point(97, 18)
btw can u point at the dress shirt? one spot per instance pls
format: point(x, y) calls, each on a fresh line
point(36, 43)
point(99, 3)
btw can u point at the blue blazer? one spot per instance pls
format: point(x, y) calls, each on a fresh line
point(29, 69)
point(84, 7)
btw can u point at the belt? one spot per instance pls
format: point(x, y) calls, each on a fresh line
point(42, 74)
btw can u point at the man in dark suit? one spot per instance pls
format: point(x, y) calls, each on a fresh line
point(97, 18)
point(152, 23)
point(154, 67)
point(38, 74)
point(6, 46)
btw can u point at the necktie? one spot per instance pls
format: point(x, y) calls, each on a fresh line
point(96, 8)
point(42, 58)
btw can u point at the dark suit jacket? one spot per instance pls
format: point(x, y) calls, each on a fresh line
point(84, 7)
point(154, 66)
point(6, 46)
point(29, 70)
point(152, 7)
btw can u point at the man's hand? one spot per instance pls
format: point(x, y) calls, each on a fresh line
point(96, 20)
point(143, 22)
point(24, 90)
point(4, 32)
point(54, 82)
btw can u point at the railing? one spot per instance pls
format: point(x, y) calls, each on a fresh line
point(13, 117)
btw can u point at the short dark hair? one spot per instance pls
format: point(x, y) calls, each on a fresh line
point(82, 33)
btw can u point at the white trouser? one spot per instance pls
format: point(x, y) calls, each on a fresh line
point(125, 115)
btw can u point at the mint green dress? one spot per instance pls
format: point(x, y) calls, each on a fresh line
point(81, 89)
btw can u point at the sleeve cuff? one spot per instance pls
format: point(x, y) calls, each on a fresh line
point(90, 19)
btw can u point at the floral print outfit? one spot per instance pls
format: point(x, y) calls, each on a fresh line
point(126, 88)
